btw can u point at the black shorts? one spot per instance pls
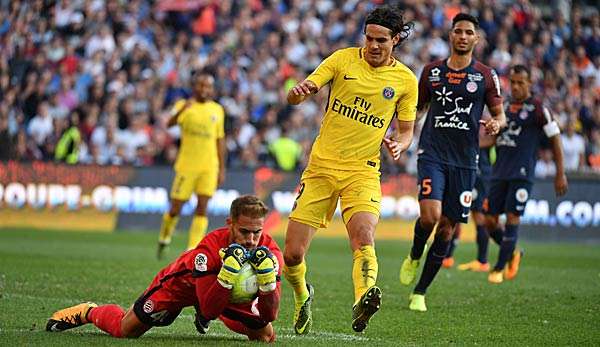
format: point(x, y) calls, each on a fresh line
point(156, 308)
point(451, 185)
point(508, 196)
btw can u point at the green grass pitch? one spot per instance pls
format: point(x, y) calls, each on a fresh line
point(555, 300)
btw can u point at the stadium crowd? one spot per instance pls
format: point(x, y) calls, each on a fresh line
point(92, 81)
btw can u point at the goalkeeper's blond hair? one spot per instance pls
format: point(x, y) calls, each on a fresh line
point(249, 206)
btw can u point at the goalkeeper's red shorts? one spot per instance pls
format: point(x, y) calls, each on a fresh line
point(158, 306)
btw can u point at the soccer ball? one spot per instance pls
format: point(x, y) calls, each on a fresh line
point(245, 288)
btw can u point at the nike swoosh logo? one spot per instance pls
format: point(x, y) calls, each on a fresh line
point(349, 78)
point(303, 327)
point(465, 215)
point(54, 327)
point(374, 200)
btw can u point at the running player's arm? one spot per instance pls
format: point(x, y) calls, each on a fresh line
point(552, 131)
point(486, 140)
point(178, 108)
point(493, 100)
point(320, 77)
point(406, 113)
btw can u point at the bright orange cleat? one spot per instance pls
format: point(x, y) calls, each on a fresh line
point(511, 270)
point(70, 317)
point(448, 262)
point(474, 266)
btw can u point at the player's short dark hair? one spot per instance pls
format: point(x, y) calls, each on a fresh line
point(197, 75)
point(392, 18)
point(206, 71)
point(465, 16)
point(520, 68)
point(249, 206)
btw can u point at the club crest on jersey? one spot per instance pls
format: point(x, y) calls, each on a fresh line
point(471, 87)
point(434, 75)
point(148, 306)
point(213, 118)
point(200, 262)
point(521, 195)
point(523, 114)
point(388, 92)
point(466, 198)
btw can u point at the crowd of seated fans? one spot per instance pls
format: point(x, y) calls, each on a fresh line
point(98, 78)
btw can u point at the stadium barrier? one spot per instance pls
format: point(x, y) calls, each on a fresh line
point(105, 198)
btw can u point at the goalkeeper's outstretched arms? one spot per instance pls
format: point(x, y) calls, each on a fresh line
point(266, 262)
point(213, 288)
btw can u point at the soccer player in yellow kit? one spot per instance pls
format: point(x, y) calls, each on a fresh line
point(368, 88)
point(200, 164)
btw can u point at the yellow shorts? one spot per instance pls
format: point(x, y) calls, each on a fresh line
point(201, 183)
point(320, 189)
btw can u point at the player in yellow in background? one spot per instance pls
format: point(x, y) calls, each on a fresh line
point(200, 164)
point(368, 88)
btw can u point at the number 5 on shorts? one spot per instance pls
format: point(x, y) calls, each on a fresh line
point(426, 186)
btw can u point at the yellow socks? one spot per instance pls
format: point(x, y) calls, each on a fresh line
point(197, 230)
point(167, 228)
point(295, 275)
point(364, 270)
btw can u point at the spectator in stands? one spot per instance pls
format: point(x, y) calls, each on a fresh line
point(545, 167)
point(7, 141)
point(40, 126)
point(573, 147)
point(67, 147)
point(286, 151)
point(594, 150)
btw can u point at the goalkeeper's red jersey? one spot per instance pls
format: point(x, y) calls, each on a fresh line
point(191, 280)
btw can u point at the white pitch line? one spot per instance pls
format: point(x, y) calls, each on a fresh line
point(327, 335)
point(282, 333)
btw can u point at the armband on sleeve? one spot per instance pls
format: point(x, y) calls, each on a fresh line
point(551, 129)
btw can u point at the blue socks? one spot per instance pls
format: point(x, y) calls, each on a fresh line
point(419, 240)
point(453, 244)
point(482, 239)
point(435, 257)
point(509, 242)
point(496, 235)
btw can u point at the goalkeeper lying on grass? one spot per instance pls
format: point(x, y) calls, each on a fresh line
point(231, 270)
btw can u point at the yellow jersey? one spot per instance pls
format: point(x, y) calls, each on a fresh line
point(362, 103)
point(202, 123)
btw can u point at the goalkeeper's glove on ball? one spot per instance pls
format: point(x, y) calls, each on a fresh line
point(234, 258)
point(265, 265)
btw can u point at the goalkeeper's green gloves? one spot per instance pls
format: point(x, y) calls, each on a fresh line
point(265, 265)
point(234, 258)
